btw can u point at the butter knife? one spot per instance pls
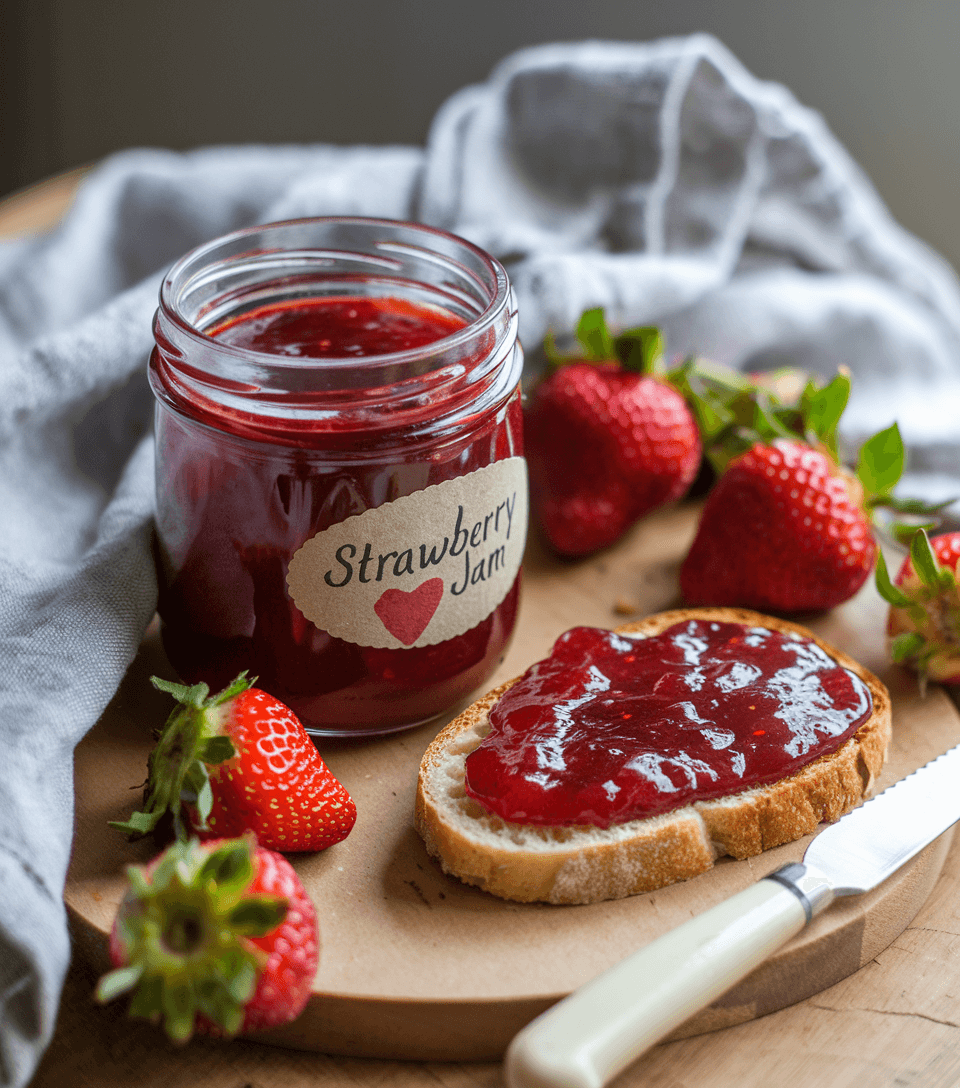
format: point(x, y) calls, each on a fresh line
point(589, 1037)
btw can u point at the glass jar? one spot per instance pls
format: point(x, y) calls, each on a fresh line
point(341, 491)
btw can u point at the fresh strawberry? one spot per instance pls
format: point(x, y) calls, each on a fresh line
point(785, 528)
point(781, 532)
point(924, 621)
point(217, 938)
point(241, 761)
point(606, 440)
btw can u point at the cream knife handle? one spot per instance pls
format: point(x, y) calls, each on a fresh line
point(590, 1036)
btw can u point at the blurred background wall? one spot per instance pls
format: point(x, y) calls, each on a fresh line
point(82, 78)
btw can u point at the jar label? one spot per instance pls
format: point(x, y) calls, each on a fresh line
point(421, 569)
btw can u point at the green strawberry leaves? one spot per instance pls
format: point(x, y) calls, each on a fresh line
point(178, 768)
point(735, 411)
point(717, 397)
point(821, 409)
point(194, 696)
point(907, 647)
point(118, 982)
point(139, 825)
point(184, 933)
point(595, 336)
point(934, 578)
point(926, 565)
point(198, 695)
point(639, 349)
point(932, 608)
point(880, 464)
point(890, 592)
point(879, 467)
point(230, 868)
point(255, 917)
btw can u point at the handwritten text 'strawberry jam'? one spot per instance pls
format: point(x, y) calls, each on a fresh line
point(341, 491)
point(611, 728)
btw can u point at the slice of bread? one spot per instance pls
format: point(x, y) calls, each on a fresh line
point(587, 864)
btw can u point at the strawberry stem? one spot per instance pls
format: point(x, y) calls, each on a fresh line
point(189, 742)
point(184, 935)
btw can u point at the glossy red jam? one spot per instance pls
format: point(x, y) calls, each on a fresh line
point(611, 728)
point(337, 328)
point(285, 413)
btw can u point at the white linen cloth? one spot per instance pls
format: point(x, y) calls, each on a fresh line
point(660, 180)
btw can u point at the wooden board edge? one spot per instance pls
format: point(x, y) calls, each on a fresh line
point(479, 1030)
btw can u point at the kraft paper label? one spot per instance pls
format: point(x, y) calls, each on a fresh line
point(422, 569)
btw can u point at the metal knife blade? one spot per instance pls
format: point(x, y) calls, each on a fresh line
point(869, 844)
point(590, 1036)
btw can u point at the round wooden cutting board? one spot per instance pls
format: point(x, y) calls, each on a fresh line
point(415, 964)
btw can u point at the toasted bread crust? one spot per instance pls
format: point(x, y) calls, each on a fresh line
point(586, 864)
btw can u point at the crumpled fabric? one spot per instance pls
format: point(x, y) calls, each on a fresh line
point(659, 180)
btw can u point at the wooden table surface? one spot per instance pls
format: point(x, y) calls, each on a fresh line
point(893, 1024)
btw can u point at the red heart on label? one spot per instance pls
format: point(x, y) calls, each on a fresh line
point(406, 614)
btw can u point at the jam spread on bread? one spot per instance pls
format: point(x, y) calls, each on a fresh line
point(611, 728)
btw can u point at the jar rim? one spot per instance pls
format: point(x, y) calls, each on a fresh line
point(200, 260)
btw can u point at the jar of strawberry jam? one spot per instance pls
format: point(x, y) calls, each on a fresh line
point(341, 490)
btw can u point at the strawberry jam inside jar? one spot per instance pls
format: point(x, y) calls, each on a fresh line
point(341, 490)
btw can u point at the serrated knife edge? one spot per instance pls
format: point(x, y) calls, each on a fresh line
point(867, 845)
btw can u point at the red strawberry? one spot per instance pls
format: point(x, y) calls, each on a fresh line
point(780, 532)
point(605, 441)
point(924, 621)
point(240, 761)
point(217, 937)
point(785, 529)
